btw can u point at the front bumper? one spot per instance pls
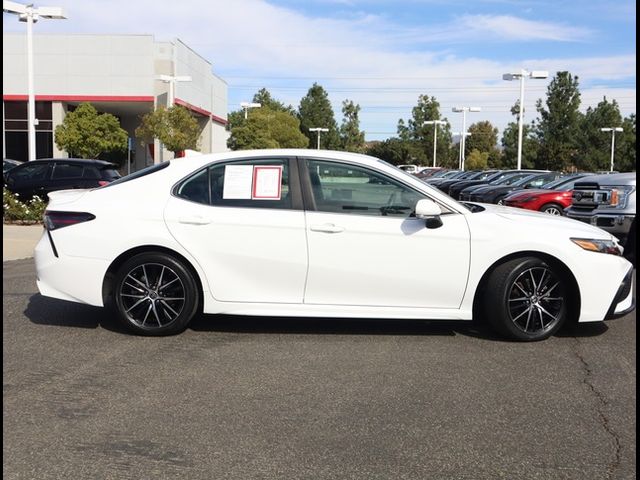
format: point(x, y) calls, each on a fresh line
point(624, 301)
point(616, 224)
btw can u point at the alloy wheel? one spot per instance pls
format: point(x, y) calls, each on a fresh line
point(152, 295)
point(536, 300)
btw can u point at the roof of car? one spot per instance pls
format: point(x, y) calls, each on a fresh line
point(89, 161)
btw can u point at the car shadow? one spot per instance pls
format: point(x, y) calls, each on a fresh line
point(60, 313)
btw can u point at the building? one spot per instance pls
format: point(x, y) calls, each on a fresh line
point(118, 74)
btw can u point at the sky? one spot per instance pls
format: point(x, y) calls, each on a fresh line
point(382, 54)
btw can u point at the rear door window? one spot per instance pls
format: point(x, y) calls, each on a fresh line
point(66, 171)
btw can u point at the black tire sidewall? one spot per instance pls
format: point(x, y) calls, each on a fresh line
point(185, 275)
point(496, 308)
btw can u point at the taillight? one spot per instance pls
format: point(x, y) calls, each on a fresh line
point(55, 220)
point(103, 183)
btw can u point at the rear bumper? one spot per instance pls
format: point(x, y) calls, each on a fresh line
point(624, 301)
point(76, 279)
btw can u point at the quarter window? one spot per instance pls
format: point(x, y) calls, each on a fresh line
point(340, 188)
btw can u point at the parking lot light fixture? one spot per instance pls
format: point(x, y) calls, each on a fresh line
point(464, 111)
point(461, 135)
point(613, 131)
point(435, 124)
point(30, 14)
point(521, 76)
point(247, 105)
point(172, 80)
point(319, 130)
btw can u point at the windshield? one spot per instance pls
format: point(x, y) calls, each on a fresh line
point(564, 183)
point(511, 179)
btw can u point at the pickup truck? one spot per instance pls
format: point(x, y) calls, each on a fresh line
point(608, 202)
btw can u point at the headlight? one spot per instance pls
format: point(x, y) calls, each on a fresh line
point(602, 246)
point(618, 196)
point(527, 199)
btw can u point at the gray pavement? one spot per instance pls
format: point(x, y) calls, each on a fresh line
point(18, 241)
point(270, 398)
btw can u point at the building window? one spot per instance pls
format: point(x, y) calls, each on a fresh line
point(16, 128)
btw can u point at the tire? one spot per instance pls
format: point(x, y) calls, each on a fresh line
point(155, 294)
point(552, 209)
point(526, 299)
point(500, 200)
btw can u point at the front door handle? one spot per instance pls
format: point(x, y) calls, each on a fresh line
point(327, 228)
point(195, 220)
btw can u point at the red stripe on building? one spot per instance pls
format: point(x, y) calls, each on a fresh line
point(201, 111)
point(80, 98)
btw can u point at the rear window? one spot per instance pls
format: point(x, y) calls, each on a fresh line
point(109, 174)
point(140, 173)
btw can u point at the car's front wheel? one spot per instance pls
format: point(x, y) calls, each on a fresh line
point(552, 209)
point(155, 294)
point(526, 299)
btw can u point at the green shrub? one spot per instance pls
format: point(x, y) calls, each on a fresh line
point(14, 210)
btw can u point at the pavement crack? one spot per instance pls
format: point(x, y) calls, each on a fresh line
point(600, 409)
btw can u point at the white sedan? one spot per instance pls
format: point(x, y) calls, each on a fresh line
point(320, 234)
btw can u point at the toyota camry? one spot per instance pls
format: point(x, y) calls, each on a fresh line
point(311, 233)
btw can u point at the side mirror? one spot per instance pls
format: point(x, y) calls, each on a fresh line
point(429, 211)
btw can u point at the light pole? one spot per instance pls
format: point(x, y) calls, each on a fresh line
point(461, 135)
point(319, 130)
point(613, 131)
point(172, 80)
point(31, 14)
point(247, 106)
point(464, 111)
point(521, 75)
point(435, 124)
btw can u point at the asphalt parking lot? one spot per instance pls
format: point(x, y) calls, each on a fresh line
point(245, 398)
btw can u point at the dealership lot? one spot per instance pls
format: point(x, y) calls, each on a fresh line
point(302, 398)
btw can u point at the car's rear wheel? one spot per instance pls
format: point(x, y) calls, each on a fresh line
point(526, 299)
point(155, 294)
point(552, 209)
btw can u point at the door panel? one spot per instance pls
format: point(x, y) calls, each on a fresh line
point(367, 248)
point(250, 250)
point(382, 261)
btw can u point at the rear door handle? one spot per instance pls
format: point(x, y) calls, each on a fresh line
point(195, 220)
point(326, 228)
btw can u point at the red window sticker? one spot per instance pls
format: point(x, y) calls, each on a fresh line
point(267, 182)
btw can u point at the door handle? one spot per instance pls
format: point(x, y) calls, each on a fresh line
point(195, 220)
point(326, 228)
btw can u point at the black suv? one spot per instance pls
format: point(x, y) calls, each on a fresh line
point(39, 177)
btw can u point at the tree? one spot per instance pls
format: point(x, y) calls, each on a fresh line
point(625, 160)
point(595, 148)
point(264, 98)
point(476, 160)
point(421, 135)
point(175, 127)
point(266, 128)
point(351, 138)
point(394, 150)
point(315, 112)
point(484, 138)
point(559, 125)
point(530, 144)
point(87, 134)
